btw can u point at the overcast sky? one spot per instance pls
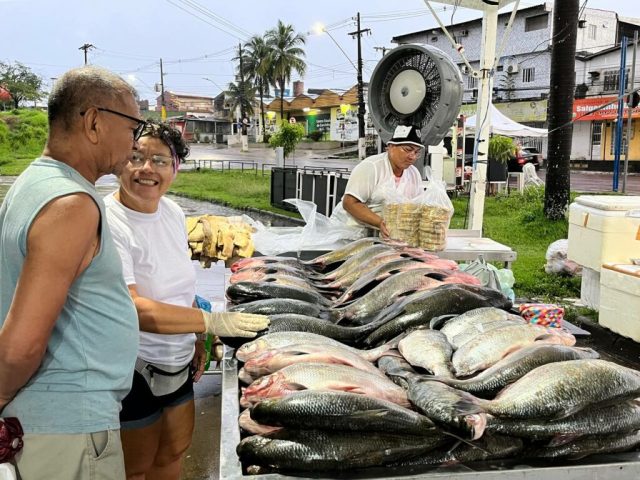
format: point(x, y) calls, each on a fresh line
point(198, 38)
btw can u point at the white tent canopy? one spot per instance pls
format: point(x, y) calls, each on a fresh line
point(503, 125)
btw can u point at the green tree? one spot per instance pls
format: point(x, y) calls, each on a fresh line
point(286, 56)
point(287, 137)
point(241, 94)
point(259, 70)
point(21, 83)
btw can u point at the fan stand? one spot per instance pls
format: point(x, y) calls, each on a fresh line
point(489, 10)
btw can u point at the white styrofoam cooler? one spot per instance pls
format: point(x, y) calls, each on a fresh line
point(620, 299)
point(604, 228)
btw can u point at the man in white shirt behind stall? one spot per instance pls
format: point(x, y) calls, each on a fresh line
point(377, 177)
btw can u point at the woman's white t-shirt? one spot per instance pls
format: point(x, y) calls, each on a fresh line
point(372, 180)
point(155, 258)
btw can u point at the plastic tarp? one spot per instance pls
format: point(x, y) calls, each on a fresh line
point(503, 125)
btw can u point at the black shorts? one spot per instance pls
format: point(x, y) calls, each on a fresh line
point(140, 408)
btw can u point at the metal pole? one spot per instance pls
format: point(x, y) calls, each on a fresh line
point(618, 144)
point(361, 110)
point(483, 116)
point(629, 121)
point(163, 108)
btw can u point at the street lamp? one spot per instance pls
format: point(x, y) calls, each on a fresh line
point(319, 29)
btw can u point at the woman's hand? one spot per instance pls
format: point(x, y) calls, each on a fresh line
point(199, 360)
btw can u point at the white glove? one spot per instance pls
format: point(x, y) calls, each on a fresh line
point(234, 324)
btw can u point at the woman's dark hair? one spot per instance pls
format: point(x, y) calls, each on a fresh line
point(169, 135)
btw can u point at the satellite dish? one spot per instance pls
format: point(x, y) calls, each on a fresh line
point(415, 85)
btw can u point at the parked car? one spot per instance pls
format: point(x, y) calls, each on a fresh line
point(523, 156)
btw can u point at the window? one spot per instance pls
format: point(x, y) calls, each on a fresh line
point(596, 133)
point(434, 39)
point(623, 150)
point(537, 22)
point(592, 32)
point(612, 79)
point(500, 68)
point(472, 82)
point(474, 93)
point(528, 75)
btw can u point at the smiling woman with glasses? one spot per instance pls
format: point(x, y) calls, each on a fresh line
point(149, 229)
point(137, 131)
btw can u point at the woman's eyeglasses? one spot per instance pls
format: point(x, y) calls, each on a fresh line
point(137, 132)
point(159, 161)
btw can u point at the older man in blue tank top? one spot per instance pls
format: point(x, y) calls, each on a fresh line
point(68, 327)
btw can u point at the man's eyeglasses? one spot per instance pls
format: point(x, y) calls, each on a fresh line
point(137, 132)
point(159, 161)
point(411, 150)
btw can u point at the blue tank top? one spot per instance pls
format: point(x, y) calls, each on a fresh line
point(87, 368)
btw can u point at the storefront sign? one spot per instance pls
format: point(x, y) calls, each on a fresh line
point(582, 107)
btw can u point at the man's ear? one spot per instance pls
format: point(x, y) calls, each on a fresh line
point(91, 125)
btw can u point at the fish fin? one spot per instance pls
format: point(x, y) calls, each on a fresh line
point(563, 439)
point(437, 323)
point(294, 386)
point(353, 389)
point(407, 293)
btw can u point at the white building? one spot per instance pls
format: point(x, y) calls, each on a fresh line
point(521, 82)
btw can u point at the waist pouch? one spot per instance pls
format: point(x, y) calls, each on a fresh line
point(162, 379)
point(10, 438)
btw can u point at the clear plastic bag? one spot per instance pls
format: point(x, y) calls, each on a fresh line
point(401, 215)
point(319, 233)
point(557, 261)
point(435, 215)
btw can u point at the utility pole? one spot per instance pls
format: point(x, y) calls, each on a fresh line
point(361, 136)
point(243, 121)
point(163, 109)
point(381, 49)
point(86, 47)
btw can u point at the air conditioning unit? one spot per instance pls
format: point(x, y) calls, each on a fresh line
point(464, 33)
point(465, 69)
point(512, 68)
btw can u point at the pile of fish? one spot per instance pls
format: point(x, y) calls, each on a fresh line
point(432, 366)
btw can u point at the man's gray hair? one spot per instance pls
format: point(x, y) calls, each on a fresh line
point(84, 87)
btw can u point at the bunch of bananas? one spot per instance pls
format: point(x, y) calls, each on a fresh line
point(213, 238)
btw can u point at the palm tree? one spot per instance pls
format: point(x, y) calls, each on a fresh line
point(241, 94)
point(258, 69)
point(286, 56)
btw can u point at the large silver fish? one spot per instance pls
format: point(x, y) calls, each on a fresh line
point(365, 308)
point(428, 349)
point(341, 254)
point(291, 322)
point(248, 291)
point(274, 360)
point(249, 425)
point(604, 420)
point(515, 365)
point(275, 306)
point(487, 348)
point(418, 309)
point(590, 445)
point(316, 450)
point(456, 324)
point(282, 339)
point(318, 376)
point(354, 262)
point(340, 411)
point(254, 262)
point(453, 410)
point(489, 447)
point(557, 390)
